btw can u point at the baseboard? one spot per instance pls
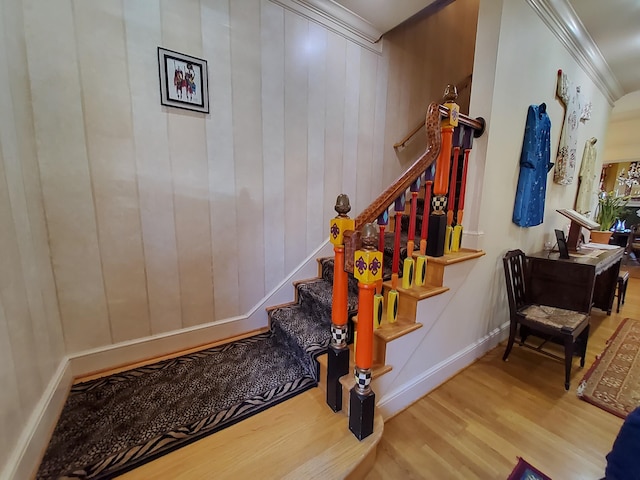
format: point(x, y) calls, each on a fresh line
point(134, 351)
point(25, 458)
point(402, 397)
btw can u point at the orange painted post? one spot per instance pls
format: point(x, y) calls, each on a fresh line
point(392, 296)
point(383, 221)
point(409, 263)
point(425, 217)
point(338, 353)
point(367, 268)
point(415, 188)
point(438, 219)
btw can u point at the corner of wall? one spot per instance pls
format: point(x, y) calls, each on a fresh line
point(32, 443)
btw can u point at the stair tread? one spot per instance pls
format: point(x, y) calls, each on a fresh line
point(419, 293)
point(454, 257)
point(390, 331)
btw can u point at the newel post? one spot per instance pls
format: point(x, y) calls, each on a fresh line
point(338, 353)
point(438, 219)
point(367, 268)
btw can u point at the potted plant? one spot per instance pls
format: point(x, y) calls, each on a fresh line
point(609, 209)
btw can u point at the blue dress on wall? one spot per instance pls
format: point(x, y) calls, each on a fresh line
point(535, 163)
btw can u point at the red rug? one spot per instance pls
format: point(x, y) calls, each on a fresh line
point(524, 471)
point(613, 381)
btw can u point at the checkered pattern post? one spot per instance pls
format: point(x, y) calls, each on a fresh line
point(439, 204)
point(339, 335)
point(363, 380)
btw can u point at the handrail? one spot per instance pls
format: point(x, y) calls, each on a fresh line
point(380, 204)
point(476, 123)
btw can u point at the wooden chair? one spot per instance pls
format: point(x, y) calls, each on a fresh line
point(557, 325)
point(633, 244)
point(623, 281)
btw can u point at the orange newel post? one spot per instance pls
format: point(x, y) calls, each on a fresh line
point(338, 353)
point(367, 268)
point(438, 219)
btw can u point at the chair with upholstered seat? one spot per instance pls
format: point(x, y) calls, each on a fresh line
point(549, 323)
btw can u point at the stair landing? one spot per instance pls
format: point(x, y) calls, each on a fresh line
point(300, 438)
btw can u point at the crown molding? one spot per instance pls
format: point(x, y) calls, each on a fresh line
point(338, 19)
point(563, 21)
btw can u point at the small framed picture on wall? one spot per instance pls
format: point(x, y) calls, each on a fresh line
point(183, 81)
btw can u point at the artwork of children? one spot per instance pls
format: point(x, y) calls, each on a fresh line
point(186, 78)
point(183, 81)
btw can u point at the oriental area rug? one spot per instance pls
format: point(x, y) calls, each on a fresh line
point(613, 382)
point(524, 471)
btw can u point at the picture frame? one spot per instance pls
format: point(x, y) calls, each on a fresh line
point(184, 81)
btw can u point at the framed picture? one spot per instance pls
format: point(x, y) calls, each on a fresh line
point(183, 81)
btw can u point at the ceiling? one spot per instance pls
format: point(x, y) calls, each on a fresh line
point(614, 26)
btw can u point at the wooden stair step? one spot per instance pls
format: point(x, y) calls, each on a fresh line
point(436, 265)
point(390, 331)
point(419, 293)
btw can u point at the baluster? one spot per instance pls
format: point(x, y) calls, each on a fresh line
point(456, 140)
point(408, 268)
point(392, 296)
point(338, 353)
point(438, 219)
point(378, 299)
point(467, 145)
point(421, 261)
point(368, 270)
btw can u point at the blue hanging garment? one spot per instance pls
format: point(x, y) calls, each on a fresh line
point(535, 163)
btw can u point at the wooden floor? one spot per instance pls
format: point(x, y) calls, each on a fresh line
point(476, 424)
point(472, 427)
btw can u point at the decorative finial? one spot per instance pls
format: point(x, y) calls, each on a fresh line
point(369, 236)
point(342, 204)
point(450, 94)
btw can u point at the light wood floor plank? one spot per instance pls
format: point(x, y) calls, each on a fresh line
point(476, 424)
point(472, 427)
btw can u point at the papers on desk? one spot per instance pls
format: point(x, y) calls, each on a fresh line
point(587, 252)
point(600, 246)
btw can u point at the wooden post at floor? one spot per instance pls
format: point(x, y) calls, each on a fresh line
point(338, 353)
point(368, 270)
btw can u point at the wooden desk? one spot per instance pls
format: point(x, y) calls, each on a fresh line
point(576, 283)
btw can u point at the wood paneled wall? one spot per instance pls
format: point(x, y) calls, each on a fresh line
point(160, 218)
point(31, 343)
point(425, 54)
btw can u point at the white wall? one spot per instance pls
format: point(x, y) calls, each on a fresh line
point(162, 219)
point(521, 71)
point(31, 343)
point(623, 141)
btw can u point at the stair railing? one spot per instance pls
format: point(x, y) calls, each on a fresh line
point(365, 262)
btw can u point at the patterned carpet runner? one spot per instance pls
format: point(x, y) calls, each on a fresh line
point(113, 424)
point(613, 382)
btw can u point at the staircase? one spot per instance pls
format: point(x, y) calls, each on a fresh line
point(307, 321)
